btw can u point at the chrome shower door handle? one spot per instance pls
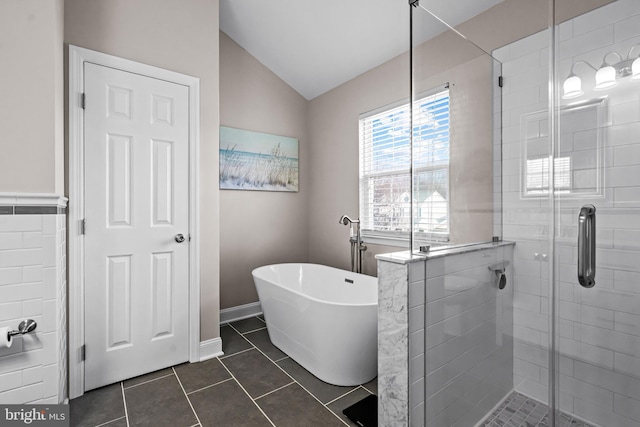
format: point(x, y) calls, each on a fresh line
point(179, 238)
point(587, 246)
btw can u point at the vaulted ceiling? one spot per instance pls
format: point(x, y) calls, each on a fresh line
point(315, 46)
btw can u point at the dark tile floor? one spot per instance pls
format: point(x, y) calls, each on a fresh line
point(253, 384)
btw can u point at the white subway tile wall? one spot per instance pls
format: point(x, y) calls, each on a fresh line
point(463, 324)
point(598, 327)
point(33, 285)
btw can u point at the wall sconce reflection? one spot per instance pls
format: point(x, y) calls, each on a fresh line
point(606, 76)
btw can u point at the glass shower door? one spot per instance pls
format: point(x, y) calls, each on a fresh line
point(596, 167)
point(461, 328)
point(568, 163)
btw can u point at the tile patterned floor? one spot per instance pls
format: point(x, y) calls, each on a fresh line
point(253, 384)
point(520, 411)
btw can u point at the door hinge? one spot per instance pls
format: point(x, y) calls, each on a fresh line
point(500, 81)
point(83, 352)
point(83, 100)
point(83, 226)
point(189, 237)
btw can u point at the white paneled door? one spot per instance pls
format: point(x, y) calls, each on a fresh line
point(137, 221)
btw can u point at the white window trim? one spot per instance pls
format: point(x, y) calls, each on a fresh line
point(401, 238)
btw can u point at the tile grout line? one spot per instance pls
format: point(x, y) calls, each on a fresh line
point(243, 337)
point(336, 415)
point(253, 330)
point(240, 333)
point(255, 346)
point(226, 356)
point(109, 422)
point(273, 391)
point(146, 382)
point(209, 386)
point(296, 381)
point(185, 395)
point(124, 402)
point(346, 394)
point(362, 385)
point(247, 393)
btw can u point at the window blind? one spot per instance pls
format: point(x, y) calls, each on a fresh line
point(385, 160)
point(537, 175)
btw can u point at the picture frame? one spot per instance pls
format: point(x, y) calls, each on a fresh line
point(258, 161)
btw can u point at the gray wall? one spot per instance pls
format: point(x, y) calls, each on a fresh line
point(333, 123)
point(259, 227)
point(333, 130)
point(285, 227)
point(182, 37)
point(32, 100)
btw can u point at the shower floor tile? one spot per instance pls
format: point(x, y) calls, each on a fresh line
point(518, 410)
point(253, 384)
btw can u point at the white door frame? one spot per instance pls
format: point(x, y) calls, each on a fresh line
point(75, 241)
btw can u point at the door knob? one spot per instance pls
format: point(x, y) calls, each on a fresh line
point(179, 238)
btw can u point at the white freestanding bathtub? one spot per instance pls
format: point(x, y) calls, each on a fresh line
point(324, 318)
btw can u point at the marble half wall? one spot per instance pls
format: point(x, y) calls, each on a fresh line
point(445, 335)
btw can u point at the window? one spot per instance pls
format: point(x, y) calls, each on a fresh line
point(578, 156)
point(538, 175)
point(385, 191)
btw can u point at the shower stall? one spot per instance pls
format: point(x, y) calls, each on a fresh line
point(518, 302)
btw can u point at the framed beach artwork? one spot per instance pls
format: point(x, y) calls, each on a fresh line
point(257, 161)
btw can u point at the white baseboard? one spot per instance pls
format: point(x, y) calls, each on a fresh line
point(240, 312)
point(210, 349)
point(213, 347)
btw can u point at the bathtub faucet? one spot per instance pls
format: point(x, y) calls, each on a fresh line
point(345, 220)
point(357, 246)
